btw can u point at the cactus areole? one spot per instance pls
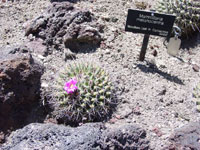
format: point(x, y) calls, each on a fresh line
point(149, 23)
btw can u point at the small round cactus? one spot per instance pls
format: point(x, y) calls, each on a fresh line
point(83, 93)
point(187, 14)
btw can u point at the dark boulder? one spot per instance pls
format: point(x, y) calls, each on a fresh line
point(64, 26)
point(19, 86)
point(185, 138)
point(55, 137)
point(91, 136)
point(126, 137)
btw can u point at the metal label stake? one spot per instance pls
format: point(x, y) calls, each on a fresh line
point(144, 47)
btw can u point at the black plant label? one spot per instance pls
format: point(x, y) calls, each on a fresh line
point(148, 22)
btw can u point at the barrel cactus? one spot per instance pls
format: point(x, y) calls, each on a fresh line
point(83, 93)
point(187, 14)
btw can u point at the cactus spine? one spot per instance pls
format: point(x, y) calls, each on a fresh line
point(93, 98)
point(187, 14)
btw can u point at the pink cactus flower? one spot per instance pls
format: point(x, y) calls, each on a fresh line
point(70, 86)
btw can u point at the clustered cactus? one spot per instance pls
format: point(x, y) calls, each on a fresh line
point(187, 14)
point(84, 93)
point(196, 94)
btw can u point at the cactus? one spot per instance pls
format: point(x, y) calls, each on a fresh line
point(196, 94)
point(187, 14)
point(87, 96)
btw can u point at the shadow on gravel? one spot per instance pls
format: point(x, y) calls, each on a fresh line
point(186, 44)
point(153, 69)
point(81, 47)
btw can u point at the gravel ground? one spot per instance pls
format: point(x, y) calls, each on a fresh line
point(14, 15)
point(157, 97)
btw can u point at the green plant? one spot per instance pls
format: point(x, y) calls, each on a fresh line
point(84, 93)
point(187, 14)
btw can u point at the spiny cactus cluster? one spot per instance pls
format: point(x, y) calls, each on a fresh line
point(84, 93)
point(196, 94)
point(187, 14)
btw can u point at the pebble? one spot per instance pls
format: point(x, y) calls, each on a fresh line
point(107, 51)
point(196, 68)
point(41, 57)
point(44, 85)
point(114, 19)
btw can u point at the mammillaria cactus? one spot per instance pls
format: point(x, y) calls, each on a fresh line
point(187, 14)
point(83, 93)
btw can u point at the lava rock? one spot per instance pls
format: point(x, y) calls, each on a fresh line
point(185, 138)
point(55, 137)
point(91, 136)
point(196, 68)
point(37, 47)
point(126, 137)
point(19, 86)
point(64, 26)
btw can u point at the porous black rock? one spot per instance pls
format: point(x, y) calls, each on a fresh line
point(64, 26)
point(90, 136)
point(126, 137)
point(55, 137)
point(185, 138)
